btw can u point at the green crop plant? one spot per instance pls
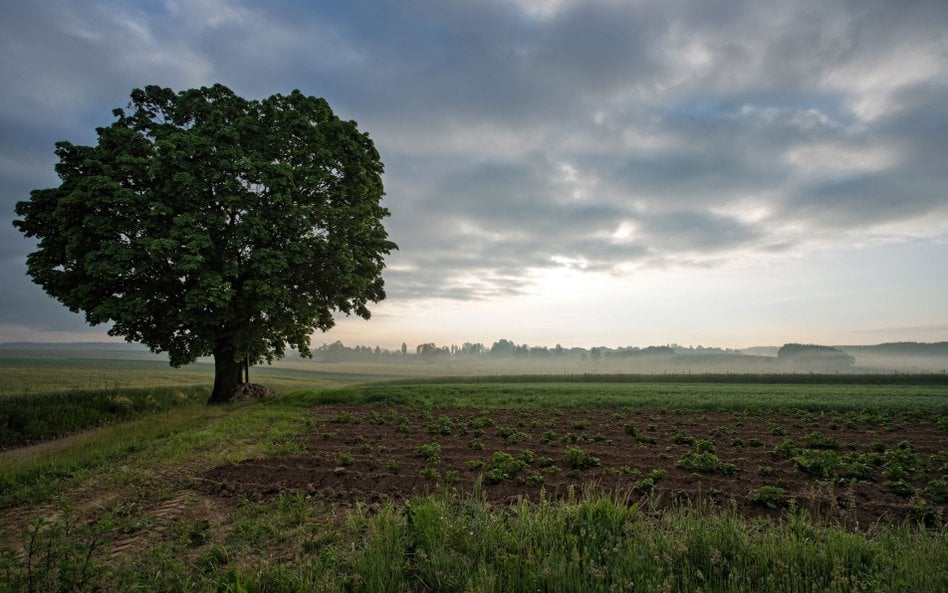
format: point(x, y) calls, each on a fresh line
point(503, 466)
point(344, 417)
point(817, 440)
point(536, 479)
point(430, 452)
point(772, 497)
point(704, 462)
point(819, 464)
point(443, 426)
point(512, 435)
point(644, 486)
point(578, 458)
point(681, 438)
point(785, 450)
point(702, 446)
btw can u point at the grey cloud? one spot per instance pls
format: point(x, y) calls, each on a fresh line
point(696, 231)
point(672, 115)
point(24, 304)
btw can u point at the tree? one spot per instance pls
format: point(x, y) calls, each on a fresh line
point(502, 347)
point(203, 224)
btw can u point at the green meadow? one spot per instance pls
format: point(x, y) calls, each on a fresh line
point(116, 504)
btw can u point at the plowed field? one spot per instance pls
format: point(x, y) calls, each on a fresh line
point(854, 473)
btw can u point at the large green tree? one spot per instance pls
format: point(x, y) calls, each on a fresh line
point(204, 224)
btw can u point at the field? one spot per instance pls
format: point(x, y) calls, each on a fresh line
point(342, 483)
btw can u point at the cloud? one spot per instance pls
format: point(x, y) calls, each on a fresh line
point(529, 134)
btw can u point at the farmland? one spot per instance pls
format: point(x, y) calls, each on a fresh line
point(342, 483)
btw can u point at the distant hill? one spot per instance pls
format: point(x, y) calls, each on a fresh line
point(72, 346)
point(902, 349)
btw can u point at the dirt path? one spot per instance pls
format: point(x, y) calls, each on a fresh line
point(51, 446)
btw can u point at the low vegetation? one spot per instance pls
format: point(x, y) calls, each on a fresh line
point(510, 487)
point(26, 419)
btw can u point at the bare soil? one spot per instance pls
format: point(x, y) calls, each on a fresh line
point(360, 453)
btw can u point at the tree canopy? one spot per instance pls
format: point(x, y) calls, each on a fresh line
point(204, 223)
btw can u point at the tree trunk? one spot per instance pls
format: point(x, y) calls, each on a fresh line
point(227, 376)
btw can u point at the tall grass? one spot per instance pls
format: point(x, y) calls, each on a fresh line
point(448, 543)
point(25, 419)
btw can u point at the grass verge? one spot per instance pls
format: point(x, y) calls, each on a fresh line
point(460, 543)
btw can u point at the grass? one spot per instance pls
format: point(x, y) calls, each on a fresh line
point(26, 419)
point(449, 543)
point(67, 507)
point(903, 399)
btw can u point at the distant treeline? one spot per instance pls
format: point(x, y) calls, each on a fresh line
point(338, 352)
point(902, 349)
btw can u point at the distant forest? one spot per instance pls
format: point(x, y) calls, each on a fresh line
point(503, 348)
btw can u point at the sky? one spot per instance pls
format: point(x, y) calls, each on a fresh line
point(582, 172)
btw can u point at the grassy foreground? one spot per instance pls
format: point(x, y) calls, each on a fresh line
point(116, 510)
point(451, 543)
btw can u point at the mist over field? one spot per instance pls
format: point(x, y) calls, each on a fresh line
point(505, 357)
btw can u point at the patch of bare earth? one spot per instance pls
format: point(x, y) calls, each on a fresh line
point(371, 454)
